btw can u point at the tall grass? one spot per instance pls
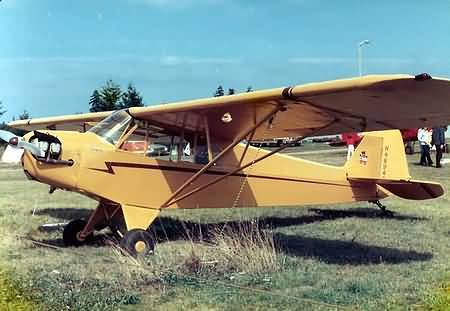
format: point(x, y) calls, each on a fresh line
point(247, 248)
point(243, 248)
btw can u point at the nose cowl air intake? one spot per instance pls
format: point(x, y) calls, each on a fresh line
point(50, 148)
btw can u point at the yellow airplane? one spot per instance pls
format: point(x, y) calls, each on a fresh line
point(106, 155)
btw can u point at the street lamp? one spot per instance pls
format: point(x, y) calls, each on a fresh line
point(360, 45)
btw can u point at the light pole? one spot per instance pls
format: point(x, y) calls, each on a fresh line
point(360, 45)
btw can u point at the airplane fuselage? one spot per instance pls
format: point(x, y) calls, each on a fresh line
point(105, 173)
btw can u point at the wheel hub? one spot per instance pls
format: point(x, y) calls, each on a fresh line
point(140, 246)
point(80, 237)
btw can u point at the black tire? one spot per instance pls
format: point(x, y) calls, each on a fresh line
point(71, 231)
point(138, 243)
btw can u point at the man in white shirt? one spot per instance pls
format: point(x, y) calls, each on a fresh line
point(424, 136)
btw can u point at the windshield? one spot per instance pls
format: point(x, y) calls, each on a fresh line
point(112, 128)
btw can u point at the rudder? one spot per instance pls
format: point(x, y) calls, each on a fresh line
point(380, 155)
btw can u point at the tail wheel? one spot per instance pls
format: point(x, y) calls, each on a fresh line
point(71, 233)
point(138, 243)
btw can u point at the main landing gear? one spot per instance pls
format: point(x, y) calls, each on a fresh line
point(136, 242)
point(71, 233)
point(383, 208)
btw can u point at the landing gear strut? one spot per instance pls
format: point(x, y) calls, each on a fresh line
point(383, 208)
point(136, 242)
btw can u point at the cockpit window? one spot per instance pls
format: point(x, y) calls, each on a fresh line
point(113, 127)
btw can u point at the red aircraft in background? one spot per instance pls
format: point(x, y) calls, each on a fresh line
point(409, 138)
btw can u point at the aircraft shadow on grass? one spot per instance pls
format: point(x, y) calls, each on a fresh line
point(65, 213)
point(346, 252)
point(319, 215)
point(329, 251)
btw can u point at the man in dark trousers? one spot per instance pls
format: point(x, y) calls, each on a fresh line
point(438, 140)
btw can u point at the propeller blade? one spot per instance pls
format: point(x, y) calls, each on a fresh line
point(29, 147)
point(18, 142)
point(6, 136)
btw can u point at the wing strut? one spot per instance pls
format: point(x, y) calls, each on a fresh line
point(236, 141)
point(208, 138)
point(173, 199)
point(246, 146)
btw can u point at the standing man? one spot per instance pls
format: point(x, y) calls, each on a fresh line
point(438, 140)
point(424, 136)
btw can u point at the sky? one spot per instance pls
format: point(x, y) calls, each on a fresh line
point(54, 53)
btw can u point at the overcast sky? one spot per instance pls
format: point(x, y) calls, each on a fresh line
point(53, 54)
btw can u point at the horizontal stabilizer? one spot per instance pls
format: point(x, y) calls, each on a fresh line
point(413, 189)
point(408, 189)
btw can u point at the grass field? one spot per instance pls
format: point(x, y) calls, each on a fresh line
point(309, 258)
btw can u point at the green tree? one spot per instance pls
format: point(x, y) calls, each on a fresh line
point(95, 102)
point(130, 98)
point(219, 91)
point(249, 89)
point(231, 91)
point(107, 98)
point(24, 115)
point(110, 95)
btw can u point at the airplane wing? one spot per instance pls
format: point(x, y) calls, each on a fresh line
point(350, 105)
point(76, 122)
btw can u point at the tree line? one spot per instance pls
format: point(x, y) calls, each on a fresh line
point(3, 126)
point(111, 97)
point(22, 116)
point(221, 92)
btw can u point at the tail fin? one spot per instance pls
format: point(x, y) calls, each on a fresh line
point(380, 155)
point(380, 158)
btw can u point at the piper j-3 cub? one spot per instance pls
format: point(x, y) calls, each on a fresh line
point(133, 185)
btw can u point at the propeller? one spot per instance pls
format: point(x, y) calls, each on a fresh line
point(6, 136)
point(18, 142)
